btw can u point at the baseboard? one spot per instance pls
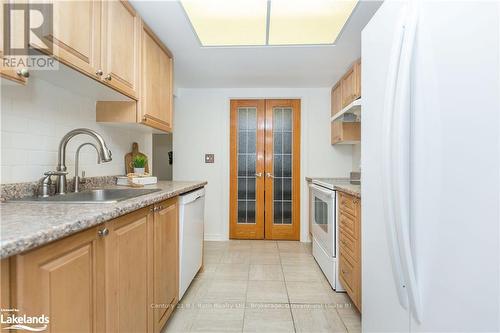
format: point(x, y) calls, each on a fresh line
point(215, 237)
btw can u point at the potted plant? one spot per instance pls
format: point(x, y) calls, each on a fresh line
point(139, 163)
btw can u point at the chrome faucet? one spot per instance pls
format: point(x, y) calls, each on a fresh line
point(76, 178)
point(103, 152)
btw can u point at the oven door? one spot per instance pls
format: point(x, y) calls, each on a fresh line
point(323, 217)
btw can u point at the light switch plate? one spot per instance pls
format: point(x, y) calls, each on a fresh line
point(209, 158)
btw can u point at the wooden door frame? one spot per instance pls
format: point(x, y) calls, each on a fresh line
point(249, 231)
point(276, 231)
point(263, 229)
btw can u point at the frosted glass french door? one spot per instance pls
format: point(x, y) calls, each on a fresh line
point(265, 169)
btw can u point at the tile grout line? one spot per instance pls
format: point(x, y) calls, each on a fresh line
point(286, 289)
point(341, 319)
point(246, 295)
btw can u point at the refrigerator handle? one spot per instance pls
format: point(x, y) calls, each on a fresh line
point(401, 159)
point(387, 172)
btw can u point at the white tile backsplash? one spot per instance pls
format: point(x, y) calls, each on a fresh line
point(35, 117)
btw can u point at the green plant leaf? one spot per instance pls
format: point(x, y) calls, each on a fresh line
point(139, 161)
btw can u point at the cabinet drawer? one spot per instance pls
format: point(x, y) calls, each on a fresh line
point(348, 246)
point(348, 204)
point(348, 276)
point(348, 225)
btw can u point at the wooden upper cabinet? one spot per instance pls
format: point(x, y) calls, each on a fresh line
point(155, 104)
point(120, 47)
point(157, 86)
point(76, 35)
point(60, 280)
point(344, 93)
point(345, 132)
point(351, 84)
point(336, 99)
point(166, 262)
point(128, 274)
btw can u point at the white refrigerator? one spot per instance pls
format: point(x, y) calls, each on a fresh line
point(430, 162)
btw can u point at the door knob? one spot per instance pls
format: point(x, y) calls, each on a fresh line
point(269, 175)
point(258, 174)
point(99, 73)
point(108, 77)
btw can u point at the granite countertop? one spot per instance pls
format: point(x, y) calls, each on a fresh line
point(349, 189)
point(26, 225)
point(341, 184)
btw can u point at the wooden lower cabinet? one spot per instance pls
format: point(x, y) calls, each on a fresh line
point(128, 272)
point(166, 259)
point(109, 278)
point(62, 280)
point(350, 246)
point(4, 286)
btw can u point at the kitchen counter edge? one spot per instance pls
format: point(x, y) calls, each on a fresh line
point(25, 226)
point(351, 189)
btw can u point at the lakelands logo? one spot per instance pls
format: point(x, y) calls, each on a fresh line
point(23, 322)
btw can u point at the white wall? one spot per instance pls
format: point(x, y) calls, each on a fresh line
point(356, 157)
point(35, 117)
point(202, 126)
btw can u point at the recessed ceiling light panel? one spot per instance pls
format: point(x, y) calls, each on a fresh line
point(299, 22)
point(228, 23)
point(262, 22)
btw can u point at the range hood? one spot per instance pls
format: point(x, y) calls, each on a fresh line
point(351, 113)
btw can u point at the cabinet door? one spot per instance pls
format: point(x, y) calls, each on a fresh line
point(336, 99)
point(120, 46)
point(166, 262)
point(351, 84)
point(128, 273)
point(9, 72)
point(156, 101)
point(75, 38)
point(61, 280)
point(4, 286)
point(345, 132)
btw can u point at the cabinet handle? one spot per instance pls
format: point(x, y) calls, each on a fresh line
point(108, 77)
point(99, 72)
point(103, 232)
point(258, 174)
point(24, 72)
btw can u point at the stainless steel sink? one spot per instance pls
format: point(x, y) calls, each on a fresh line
point(92, 196)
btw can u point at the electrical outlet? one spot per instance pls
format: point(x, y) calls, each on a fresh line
point(209, 158)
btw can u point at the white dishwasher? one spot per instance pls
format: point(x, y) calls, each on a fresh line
point(191, 220)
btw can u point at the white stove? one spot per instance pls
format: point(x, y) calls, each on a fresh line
point(328, 183)
point(323, 226)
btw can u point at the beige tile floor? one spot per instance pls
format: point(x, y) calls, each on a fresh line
point(262, 286)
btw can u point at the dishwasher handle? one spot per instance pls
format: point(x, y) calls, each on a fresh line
point(190, 197)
